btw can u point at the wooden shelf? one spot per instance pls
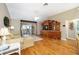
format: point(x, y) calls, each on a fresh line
point(51, 29)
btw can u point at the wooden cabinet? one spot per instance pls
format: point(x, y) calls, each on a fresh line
point(51, 29)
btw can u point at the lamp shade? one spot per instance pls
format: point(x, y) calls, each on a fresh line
point(12, 27)
point(4, 31)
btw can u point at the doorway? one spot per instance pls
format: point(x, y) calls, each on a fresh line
point(28, 28)
point(71, 33)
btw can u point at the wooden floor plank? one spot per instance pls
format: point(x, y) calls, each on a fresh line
point(51, 47)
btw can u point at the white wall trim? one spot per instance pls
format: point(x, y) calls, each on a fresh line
point(71, 38)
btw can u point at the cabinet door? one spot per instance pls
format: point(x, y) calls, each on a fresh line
point(57, 26)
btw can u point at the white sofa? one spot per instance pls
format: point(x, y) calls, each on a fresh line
point(25, 42)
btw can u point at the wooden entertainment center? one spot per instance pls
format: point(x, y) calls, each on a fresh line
point(51, 29)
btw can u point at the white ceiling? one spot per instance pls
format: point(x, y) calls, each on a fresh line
point(28, 11)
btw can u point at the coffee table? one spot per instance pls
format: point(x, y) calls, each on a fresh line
point(13, 48)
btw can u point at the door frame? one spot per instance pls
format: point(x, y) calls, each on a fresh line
point(21, 23)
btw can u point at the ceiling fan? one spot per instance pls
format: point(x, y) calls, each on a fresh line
point(45, 4)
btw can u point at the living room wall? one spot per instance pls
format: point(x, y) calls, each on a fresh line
point(16, 24)
point(63, 17)
point(3, 12)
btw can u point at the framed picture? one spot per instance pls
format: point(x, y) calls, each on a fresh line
point(71, 25)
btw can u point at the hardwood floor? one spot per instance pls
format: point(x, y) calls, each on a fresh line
point(51, 47)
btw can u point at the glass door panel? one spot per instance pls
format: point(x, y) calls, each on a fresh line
point(26, 30)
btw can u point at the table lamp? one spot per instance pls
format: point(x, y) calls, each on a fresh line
point(3, 33)
point(11, 27)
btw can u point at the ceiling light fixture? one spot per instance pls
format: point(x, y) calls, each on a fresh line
point(36, 18)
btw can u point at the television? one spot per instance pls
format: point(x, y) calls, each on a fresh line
point(45, 27)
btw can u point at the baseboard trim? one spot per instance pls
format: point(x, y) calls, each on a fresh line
point(71, 38)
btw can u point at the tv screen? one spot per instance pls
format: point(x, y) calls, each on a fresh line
point(45, 27)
